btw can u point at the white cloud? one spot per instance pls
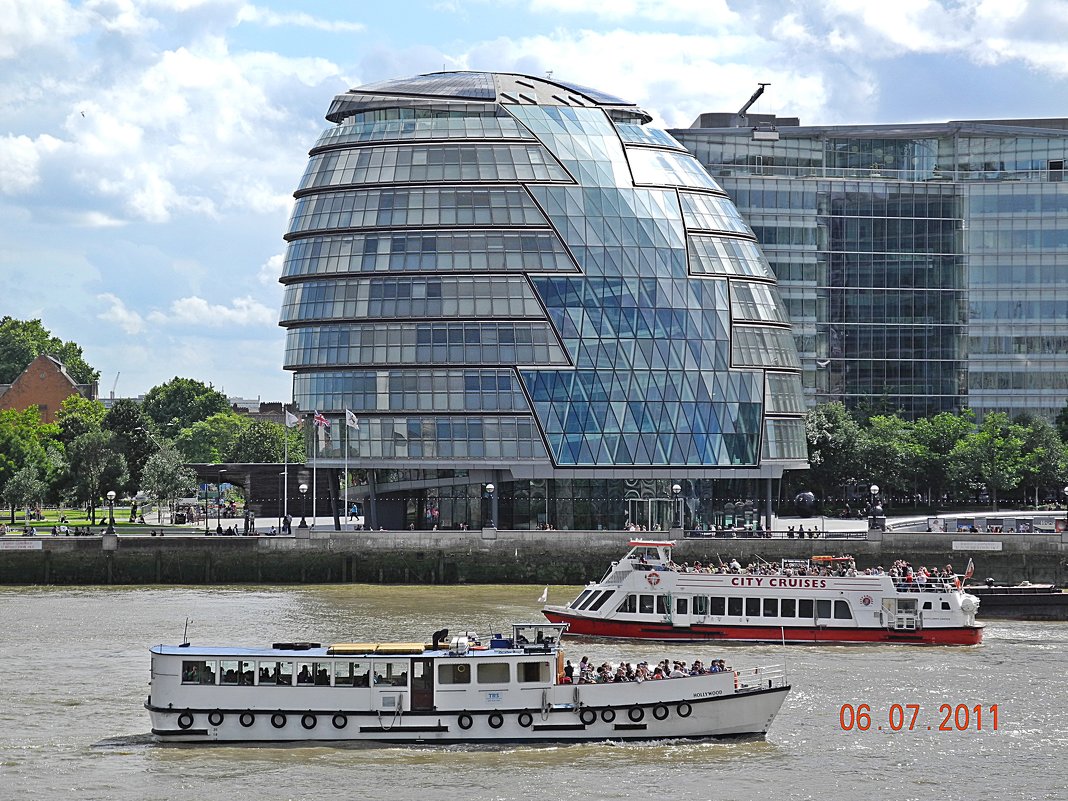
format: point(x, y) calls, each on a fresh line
point(32, 24)
point(274, 19)
point(271, 270)
point(117, 312)
point(18, 164)
point(199, 312)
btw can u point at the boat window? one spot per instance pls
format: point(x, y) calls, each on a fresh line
point(788, 607)
point(493, 673)
point(700, 605)
point(771, 607)
point(645, 604)
point(661, 605)
point(927, 605)
point(804, 607)
point(630, 604)
point(198, 671)
point(600, 601)
point(592, 598)
point(717, 605)
point(682, 606)
point(351, 674)
point(530, 672)
point(234, 671)
point(841, 610)
point(945, 606)
point(391, 674)
point(582, 597)
point(280, 673)
point(309, 673)
point(454, 673)
point(823, 608)
point(752, 607)
point(734, 607)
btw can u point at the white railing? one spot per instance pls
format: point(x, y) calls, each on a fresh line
point(760, 678)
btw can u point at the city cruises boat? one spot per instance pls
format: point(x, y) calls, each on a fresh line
point(466, 689)
point(826, 600)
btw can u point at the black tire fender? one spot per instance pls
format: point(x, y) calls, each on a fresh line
point(185, 720)
point(636, 714)
point(684, 710)
point(278, 720)
point(247, 719)
point(495, 720)
point(465, 721)
point(525, 719)
point(608, 715)
point(216, 718)
point(340, 720)
point(588, 716)
point(660, 712)
point(308, 721)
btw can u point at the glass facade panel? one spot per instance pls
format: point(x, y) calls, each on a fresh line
point(711, 213)
point(411, 390)
point(634, 134)
point(763, 347)
point(422, 128)
point(668, 168)
point(757, 302)
point(721, 255)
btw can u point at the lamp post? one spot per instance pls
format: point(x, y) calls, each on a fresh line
point(676, 490)
point(303, 505)
point(874, 490)
point(111, 512)
point(218, 501)
point(491, 491)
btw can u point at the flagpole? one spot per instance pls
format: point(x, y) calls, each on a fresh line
point(285, 467)
point(315, 483)
point(346, 464)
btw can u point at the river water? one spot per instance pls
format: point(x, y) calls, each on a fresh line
point(75, 672)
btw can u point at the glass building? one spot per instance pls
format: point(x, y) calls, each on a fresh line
point(516, 282)
point(924, 267)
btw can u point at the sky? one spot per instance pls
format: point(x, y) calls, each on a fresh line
point(149, 148)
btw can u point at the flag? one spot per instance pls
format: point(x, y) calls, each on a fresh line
point(351, 421)
point(291, 419)
point(321, 421)
point(544, 597)
point(969, 570)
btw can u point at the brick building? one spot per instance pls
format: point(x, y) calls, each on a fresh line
point(44, 384)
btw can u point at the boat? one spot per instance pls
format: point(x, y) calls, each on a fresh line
point(646, 595)
point(1024, 601)
point(466, 689)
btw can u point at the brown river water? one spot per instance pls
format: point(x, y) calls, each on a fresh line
point(75, 672)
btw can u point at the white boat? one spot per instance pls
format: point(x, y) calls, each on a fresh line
point(648, 596)
point(451, 691)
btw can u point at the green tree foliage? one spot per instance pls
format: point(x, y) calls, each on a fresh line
point(1061, 421)
point(937, 437)
point(26, 488)
point(1045, 459)
point(22, 341)
point(990, 457)
point(94, 467)
point(833, 436)
point(78, 415)
point(166, 478)
point(212, 440)
point(184, 401)
point(25, 442)
point(131, 427)
point(889, 454)
point(259, 441)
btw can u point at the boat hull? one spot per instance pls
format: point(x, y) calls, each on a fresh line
point(645, 630)
point(745, 714)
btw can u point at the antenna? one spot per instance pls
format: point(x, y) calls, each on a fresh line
point(185, 634)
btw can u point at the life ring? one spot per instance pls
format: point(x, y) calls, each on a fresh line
point(340, 721)
point(636, 714)
point(308, 721)
point(496, 720)
point(653, 578)
point(588, 716)
point(608, 715)
point(525, 719)
point(278, 720)
point(684, 710)
point(247, 719)
point(465, 721)
point(216, 718)
point(185, 720)
point(660, 712)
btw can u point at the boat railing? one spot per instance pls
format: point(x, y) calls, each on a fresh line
point(931, 585)
point(760, 678)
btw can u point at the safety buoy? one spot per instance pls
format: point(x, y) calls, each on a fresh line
point(608, 715)
point(636, 714)
point(308, 721)
point(525, 719)
point(465, 721)
point(653, 578)
point(216, 718)
point(588, 716)
point(737, 684)
point(660, 712)
point(340, 721)
point(683, 710)
point(278, 720)
point(496, 720)
point(185, 720)
point(247, 719)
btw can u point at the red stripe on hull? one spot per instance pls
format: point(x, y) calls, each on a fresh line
point(655, 631)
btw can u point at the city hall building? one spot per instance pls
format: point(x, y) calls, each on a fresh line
point(541, 310)
point(924, 267)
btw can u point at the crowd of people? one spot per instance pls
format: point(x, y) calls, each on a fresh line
point(606, 673)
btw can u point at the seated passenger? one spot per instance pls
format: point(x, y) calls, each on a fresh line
point(304, 676)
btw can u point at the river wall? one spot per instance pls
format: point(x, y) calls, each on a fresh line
point(478, 557)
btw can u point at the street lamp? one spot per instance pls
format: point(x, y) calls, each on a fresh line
point(676, 490)
point(111, 512)
point(1066, 497)
point(303, 505)
point(490, 490)
point(218, 503)
point(874, 490)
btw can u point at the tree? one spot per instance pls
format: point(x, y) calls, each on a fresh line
point(889, 453)
point(211, 440)
point(1061, 421)
point(991, 456)
point(832, 435)
point(259, 441)
point(22, 341)
point(24, 442)
point(937, 436)
point(94, 468)
point(78, 415)
point(25, 488)
point(130, 425)
point(166, 478)
point(184, 401)
point(1044, 454)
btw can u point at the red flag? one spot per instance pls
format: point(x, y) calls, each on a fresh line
point(321, 421)
point(969, 570)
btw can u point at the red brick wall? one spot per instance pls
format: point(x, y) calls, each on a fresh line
point(42, 385)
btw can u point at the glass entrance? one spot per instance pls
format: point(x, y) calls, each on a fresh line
point(653, 514)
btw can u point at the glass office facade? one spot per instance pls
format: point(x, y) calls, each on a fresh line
point(924, 267)
point(516, 281)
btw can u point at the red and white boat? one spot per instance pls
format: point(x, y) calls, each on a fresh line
point(647, 596)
